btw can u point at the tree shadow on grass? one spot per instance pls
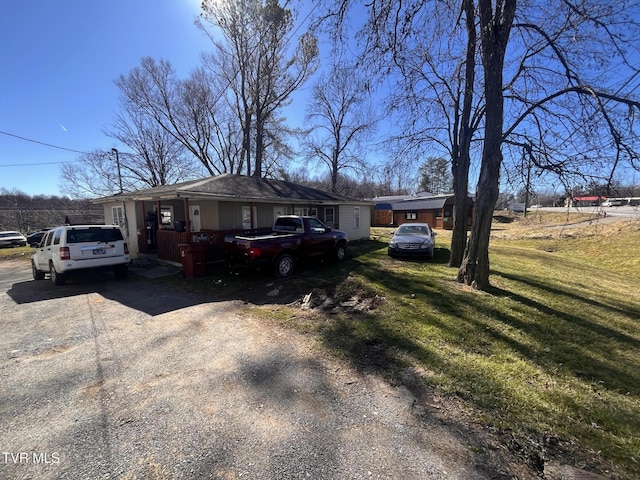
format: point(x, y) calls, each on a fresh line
point(560, 342)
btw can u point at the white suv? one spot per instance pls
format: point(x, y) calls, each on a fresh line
point(79, 247)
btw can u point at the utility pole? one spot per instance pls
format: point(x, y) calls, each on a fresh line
point(115, 150)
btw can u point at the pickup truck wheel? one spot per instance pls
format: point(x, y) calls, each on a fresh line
point(284, 265)
point(37, 274)
point(56, 278)
point(340, 252)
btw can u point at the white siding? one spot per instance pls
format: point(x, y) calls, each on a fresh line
point(346, 221)
point(131, 231)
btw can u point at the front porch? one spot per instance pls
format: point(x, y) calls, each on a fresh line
point(167, 242)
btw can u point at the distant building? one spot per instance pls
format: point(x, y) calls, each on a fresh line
point(436, 210)
point(584, 201)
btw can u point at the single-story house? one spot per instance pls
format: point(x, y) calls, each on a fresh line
point(436, 210)
point(203, 211)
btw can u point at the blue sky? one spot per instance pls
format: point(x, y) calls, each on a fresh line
point(59, 62)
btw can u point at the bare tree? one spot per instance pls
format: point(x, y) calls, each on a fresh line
point(435, 101)
point(254, 59)
point(341, 119)
point(552, 109)
point(155, 157)
point(93, 175)
point(495, 27)
point(190, 111)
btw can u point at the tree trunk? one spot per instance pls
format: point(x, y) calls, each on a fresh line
point(474, 269)
point(460, 214)
point(334, 170)
point(246, 140)
point(495, 28)
point(462, 160)
point(257, 172)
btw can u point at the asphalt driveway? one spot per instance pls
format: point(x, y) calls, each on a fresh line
point(129, 379)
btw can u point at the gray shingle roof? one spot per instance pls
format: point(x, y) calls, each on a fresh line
point(429, 203)
point(241, 187)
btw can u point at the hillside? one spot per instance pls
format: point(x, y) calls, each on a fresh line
point(27, 213)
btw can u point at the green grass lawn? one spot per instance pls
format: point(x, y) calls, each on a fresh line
point(549, 357)
point(16, 252)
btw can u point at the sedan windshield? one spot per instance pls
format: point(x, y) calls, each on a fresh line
point(413, 230)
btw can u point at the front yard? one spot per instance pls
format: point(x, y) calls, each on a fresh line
point(543, 366)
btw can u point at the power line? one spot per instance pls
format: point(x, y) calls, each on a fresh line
point(36, 164)
point(41, 143)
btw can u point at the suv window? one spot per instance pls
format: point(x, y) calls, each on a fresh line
point(56, 238)
point(94, 235)
point(47, 240)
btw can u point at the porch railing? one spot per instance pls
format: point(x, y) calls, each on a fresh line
point(167, 244)
point(168, 241)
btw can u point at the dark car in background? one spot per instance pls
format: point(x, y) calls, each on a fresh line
point(412, 240)
point(34, 238)
point(12, 239)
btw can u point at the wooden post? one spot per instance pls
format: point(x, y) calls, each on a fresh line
point(187, 222)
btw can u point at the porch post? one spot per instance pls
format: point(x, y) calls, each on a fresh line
point(143, 216)
point(158, 217)
point(187, 222)
point(251, 204)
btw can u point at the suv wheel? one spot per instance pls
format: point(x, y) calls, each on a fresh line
point(37, 274)
point(56, 278)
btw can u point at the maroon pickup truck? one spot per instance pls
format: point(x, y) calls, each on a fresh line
point(293, 238)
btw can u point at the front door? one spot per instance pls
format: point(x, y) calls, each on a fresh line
point(194, 218)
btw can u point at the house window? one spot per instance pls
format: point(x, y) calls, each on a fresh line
point(305, 211)
point(166, 215)
point(249, 221)
point(329, 216)
point(411, 215)
point(118, 216)
point(356, 217)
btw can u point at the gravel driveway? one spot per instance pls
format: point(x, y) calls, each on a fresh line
point(108, 379)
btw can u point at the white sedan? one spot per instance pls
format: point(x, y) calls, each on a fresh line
point(12, 239)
